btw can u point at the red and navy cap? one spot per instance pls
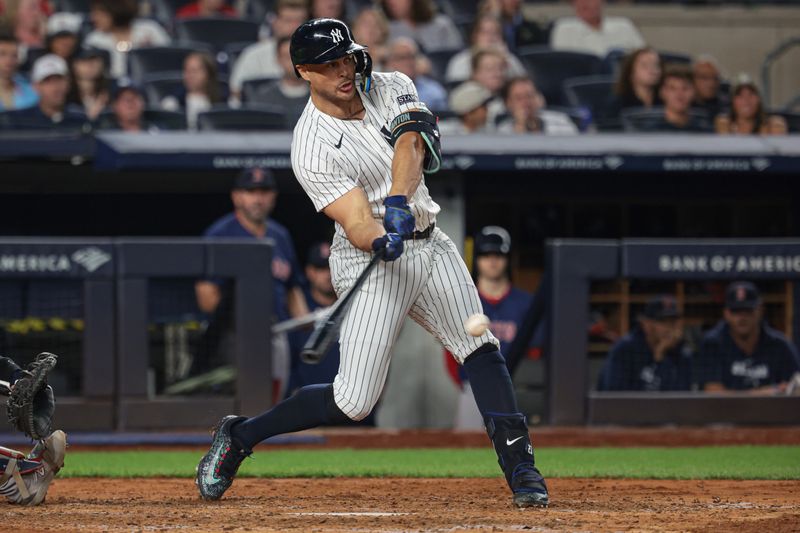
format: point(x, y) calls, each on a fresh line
point(318, 255)
point(255, 178)
point(662, 307)
point(741, 295)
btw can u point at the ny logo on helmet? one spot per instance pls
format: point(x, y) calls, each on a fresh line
point(336, 35)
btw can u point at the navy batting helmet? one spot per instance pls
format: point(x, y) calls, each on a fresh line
point(319, 41)
point(493, 240)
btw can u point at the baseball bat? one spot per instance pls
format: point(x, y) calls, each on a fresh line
point(326, 330)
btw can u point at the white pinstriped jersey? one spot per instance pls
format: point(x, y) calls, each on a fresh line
point(331, 156)
point(428, 282)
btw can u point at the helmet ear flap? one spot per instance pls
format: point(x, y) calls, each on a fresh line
point(364, 67)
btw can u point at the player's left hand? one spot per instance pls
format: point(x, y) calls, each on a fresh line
point(390, 245)
point(398, 218)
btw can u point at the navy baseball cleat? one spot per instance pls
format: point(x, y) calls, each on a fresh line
point(529, 487)
point(512, 443)
point(218, 467)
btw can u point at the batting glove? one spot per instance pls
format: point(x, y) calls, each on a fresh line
point(390, 245)
point(398, 218)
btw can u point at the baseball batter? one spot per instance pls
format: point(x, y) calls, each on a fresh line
point(359, 151)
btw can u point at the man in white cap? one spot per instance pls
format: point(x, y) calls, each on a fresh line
point(470, 101)
point(50, 77)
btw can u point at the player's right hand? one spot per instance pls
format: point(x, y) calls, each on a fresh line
point(389, 245)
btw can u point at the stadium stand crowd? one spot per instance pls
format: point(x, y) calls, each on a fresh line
point(482, 66)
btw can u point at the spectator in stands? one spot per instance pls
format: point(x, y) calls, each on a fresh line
point(517, 30)
point(486, 33)
point(259, 60)
point(318, 293)
point(290, 93)
point(329, 9)
point(470, 102)
point(29, 22)
point(118, 30)
point(419, 20)
point(652, 357)
point(371, 29)
point(747, 116)
point(677, 92)
point(742, 352)
point(638, 81)
point(490, 69)
point(90, 87)
point(128, 106)
point(50, 77)
point(201, 88)
point(591, 32)
point(206, 8)
point(254, 196)
point(15, 91)
point(63, 34)
point(404, 57)
point(524, 105)
point(707, 87)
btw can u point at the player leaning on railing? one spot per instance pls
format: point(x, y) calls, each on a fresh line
point(24, 479)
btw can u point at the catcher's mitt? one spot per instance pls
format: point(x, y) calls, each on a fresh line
point(31, 403)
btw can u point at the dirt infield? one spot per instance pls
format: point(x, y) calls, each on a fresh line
point(412, 505)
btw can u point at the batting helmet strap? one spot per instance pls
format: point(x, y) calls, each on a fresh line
point(320, 41)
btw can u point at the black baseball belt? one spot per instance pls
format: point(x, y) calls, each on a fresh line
point(419, 235)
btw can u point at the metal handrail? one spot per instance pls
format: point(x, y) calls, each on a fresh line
point(771, 57)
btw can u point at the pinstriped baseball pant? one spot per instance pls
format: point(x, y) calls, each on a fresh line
point(429, 283)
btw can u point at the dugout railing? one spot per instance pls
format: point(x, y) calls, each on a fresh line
point(114, 324)
point(574, 264)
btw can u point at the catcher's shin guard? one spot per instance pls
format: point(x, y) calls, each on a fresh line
point(23, 480)
point(509, 434)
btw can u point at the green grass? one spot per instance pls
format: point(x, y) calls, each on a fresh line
point(722, 462)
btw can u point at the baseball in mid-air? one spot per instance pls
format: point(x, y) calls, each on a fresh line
point(477, 324)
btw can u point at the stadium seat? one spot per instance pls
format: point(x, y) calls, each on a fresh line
point(439, 60)
point(792, 120)
point(156, 88)
point(549, 68)
point(613, 59)
point(644, 119)
point(261, 118)
point(579, 116)
point(34, 53)
point(157, 60)
point(164, 10)
point(257, 10)
point(459, 9)
point(251, 88)
point(165, 120)
point(593, 93)
point(675, 57)
point(72, 6)
point(218, 32)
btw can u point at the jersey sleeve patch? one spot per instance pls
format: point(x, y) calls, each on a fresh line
point(406, 99)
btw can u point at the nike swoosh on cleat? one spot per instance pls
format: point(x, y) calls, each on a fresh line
point(339, 144)
point(510, 442)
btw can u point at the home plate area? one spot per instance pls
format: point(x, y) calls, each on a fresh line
point(392, 504)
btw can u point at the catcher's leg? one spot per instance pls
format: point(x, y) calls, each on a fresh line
point(24, 480)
